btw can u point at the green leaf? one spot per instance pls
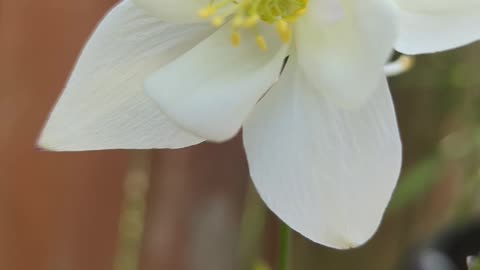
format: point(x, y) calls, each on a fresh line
point(415, 183)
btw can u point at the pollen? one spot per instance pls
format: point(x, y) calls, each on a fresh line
point(245, 15)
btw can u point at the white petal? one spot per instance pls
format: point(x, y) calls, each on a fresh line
point(430, 26)
point(104, 105)
point(212, 88)
point(325, 171)
point(177, 11)
point(345, 58)
point(439, 6)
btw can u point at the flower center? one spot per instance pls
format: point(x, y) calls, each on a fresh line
point(247, 14)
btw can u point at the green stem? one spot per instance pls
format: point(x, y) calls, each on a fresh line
point(252, 228)
point(284, 259)
point(132, 216)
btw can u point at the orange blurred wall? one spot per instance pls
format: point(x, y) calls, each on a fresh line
point(57, 210)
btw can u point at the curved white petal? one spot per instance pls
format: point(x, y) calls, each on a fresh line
point(325, 171)
point(344, 57)
point(430, 26)
point(175, 11)
point(103, 105)
point(212, 88)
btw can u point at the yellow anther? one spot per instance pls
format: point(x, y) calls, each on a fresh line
point(291, 19)
point(261, 43)
point(300, 12)
point(238, 21)
point(286, 36)
point(284, 31)
point(236, 39)
point(218, 21)
point(251, 21)
point(207, 11)
point(282, 26)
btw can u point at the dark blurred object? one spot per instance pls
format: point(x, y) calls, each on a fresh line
point(447, 251)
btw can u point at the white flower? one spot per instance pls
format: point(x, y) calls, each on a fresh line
point(322, 142)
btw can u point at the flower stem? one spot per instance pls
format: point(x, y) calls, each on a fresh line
point(252, 229)
point(132, 216)
point(285, 237)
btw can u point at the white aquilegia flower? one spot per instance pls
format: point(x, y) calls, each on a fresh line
point(321, 139)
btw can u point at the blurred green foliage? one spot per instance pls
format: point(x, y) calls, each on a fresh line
point(415, 182)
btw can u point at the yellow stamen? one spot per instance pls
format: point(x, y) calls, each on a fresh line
point(207, 11)
point(262, 44)
point(238, 21)
point(251, 21)
point(284, 31)
point(247, 14)
point(218, 21)
point(236, 39)
point(300, 12)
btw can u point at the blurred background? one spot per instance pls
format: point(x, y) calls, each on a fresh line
point(194, 209)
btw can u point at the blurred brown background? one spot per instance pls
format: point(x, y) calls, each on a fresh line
point(80, 211)
point(57, 211)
